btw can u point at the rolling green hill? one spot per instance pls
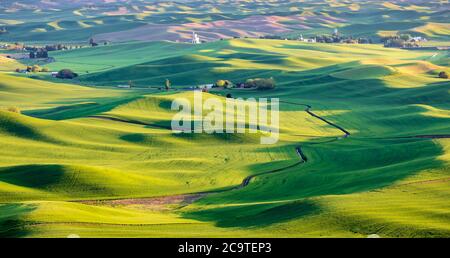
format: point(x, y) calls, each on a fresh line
point(99, 162)
point(241, 59)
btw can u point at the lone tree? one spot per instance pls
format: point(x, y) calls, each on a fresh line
point(167, 84)
point(66, 74)
point(443, 75)
point(220, 83)
point(224, 83)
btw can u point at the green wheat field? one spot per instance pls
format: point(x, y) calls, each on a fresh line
point(82, 157)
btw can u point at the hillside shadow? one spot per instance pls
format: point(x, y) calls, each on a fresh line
point(32, 176)
point(256, 215)
point(11, 223)
point(13, 125)
point(94, 106)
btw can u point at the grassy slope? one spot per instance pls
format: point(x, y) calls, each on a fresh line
point(8, 64)
point(349, 187)
point(222, 60)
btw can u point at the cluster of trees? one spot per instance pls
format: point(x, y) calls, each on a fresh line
point(443, 75)
point(224, 84)
point(400, 41)
point(260, 83)
point(66, 74)
point(14, 110)
point(41, 53)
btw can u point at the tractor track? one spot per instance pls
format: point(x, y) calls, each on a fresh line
point(308, 110)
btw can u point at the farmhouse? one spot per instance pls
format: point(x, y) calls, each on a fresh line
point(205, 86)
point(418, 39)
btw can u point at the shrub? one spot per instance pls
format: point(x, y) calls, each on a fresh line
point(220, 83)
point(13, 109)
point(443, 75)
point(45, 70)
point(66, 74)
point(224, 83)
point(35, 68)
point(260, 83)
point(228, 84)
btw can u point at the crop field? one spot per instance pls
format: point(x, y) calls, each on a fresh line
point(89, 161)
point(364, 130)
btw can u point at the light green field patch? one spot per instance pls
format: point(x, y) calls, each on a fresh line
point(10, 22)
point(365, 72)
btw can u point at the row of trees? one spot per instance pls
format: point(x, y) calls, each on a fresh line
point(34, 69)
point(256, 83)
point(62, 74)
point(401, 41)
point(54, 47)
point(42, 52)
point(335, 38)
